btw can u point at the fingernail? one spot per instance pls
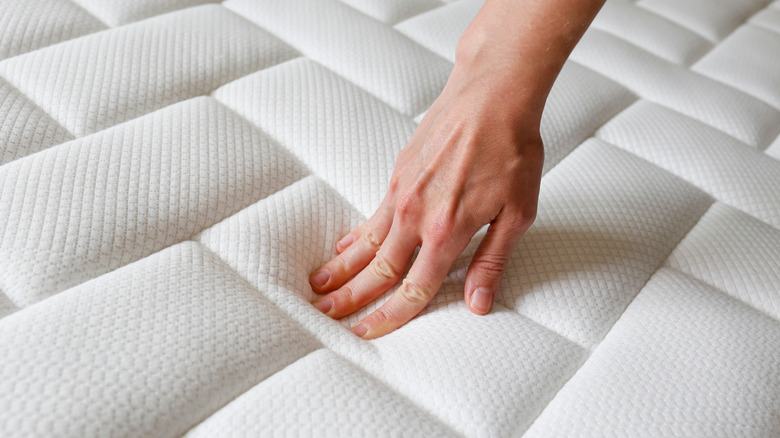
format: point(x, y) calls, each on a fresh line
point(320, 278)
point(360, 330)
point(324, 304)
point(345, 242)
point(481, 300)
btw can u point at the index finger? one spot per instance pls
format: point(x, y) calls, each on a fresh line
point(416, 291)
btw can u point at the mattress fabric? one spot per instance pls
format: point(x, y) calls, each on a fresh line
point(172, 171)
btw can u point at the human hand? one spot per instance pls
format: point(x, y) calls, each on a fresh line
point(476, 158)
point(472, 161)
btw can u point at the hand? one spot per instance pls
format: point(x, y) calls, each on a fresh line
point(476, 158)
point(472, 161)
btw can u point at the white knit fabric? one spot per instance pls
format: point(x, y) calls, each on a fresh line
point(172, 171)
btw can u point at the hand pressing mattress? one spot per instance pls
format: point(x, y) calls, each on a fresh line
point(171, 172)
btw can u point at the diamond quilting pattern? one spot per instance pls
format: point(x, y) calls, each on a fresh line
point(355, 141)
point(724, 167)
point(299, 401)
point(735, 253)
point(108, 199)
point(25, 128)
point(366, 52)
point(33, 24)
point(265, 130)
point(105, 78)
point(146, 350)
point(684, 359)
point(745, 60)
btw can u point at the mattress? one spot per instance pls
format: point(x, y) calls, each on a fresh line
point(172, 171)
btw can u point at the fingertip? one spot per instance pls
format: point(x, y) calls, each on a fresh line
point(481, 301)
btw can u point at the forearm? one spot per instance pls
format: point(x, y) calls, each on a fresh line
point(515, 49)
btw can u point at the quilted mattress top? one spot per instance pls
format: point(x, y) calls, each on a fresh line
point(172, 171)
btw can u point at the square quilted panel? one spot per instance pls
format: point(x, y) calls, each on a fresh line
point(742, 116)
point(355, 141)
point(118, 12)
point(735, 253)
point(651, 32)
point(368, 53)
point(394, 11)
point(148, 350)
point(580, 101)
point(32, 24)
point(722, 166)
point(713, 19)
point(89, 206)
point(321, 395)
point(278, 242)
point(476, 373)
point(102, 79)
point(769, 18)
point(684, 360)
point(747, 60)
point(24, 127)
point(606, 222)
point(439, 30)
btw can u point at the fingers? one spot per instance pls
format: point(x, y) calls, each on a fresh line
point(383, 272)
point(489, 262)
point(356, 250)
point(416, 291)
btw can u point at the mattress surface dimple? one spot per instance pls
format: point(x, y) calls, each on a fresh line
point(171, 172)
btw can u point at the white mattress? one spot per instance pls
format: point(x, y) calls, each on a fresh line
point(171, 172)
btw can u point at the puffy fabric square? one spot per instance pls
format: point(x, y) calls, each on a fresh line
point(108, 199)
point(149, 349)
point(685, 359)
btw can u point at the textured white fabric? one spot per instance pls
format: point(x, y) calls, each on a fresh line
point(32, 24)
point(146, 350)
point(651, 32)
point(355, 141)
point(394, 11)
point(118, 12)
point(738, 114)
point(171, 172)
point(25, 128)
point(684, 360)
point(735, 253)
point(748, 61)
point(299, 401)
point(606, 221)
point(713, 19)
point(368, 53)
point(109, 77)
point(731, 171)
point(149, 183)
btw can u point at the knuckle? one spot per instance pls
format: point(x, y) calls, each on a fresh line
point(441, 228)
point(492, 263)
point(394, 182)
point(382, 316)
point(414, 294)
point(406, 205)
point(340, 264)
point(527, 217)
point(371, 238)
point(384, 269)
point(347, 297)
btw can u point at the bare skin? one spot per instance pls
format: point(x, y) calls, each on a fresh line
point(475, 159)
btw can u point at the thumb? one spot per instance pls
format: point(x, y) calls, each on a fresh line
point(488, 264)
